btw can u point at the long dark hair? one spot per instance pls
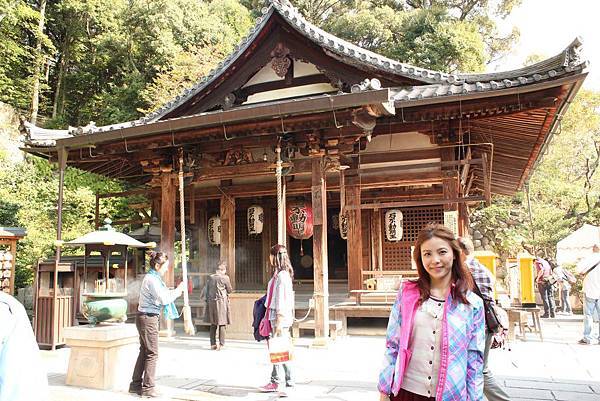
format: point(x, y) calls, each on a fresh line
point(461, 279)
point(158, 259)
point(281, 259)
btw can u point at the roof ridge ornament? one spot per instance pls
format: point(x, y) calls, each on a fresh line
point(574, 53)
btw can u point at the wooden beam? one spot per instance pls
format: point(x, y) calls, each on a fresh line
point(131, 221)
point(425, 202)
point(486, 180)
point(320, 260)
point(228, 235)
point(280, 84)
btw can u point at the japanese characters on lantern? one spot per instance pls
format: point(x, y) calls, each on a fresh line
point(214, 230)
point(299, 220)
point(393, 225)
point(344, 225)
point(255, 219)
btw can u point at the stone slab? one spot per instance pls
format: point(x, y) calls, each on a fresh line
point(101, 332)
point(569, 396)
point(530, 394)
point(548, 385)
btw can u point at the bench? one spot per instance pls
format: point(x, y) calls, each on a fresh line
point(335, 327)
point(342, 312)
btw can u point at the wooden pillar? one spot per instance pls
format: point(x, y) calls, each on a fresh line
point(228, 235)
point(62, 165)
point(354, 242)
point(377, 241)
point(320, 263)
point(167, 222)
point(202, 225)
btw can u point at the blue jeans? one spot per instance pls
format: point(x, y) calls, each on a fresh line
point(591, 306)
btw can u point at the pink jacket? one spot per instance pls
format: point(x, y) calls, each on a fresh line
point(463, 341)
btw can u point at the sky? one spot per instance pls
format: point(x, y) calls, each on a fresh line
point(548, 26)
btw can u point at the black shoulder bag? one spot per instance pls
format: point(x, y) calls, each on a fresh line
point(492, 321)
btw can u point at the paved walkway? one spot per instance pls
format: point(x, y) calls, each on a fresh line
point(556, 369)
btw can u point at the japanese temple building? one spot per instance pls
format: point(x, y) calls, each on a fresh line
point(358, 134)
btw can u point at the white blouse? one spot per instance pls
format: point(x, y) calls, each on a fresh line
point(421, 374)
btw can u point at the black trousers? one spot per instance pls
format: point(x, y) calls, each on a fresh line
point(145, 366)
point(547, 293)
point(213, 334)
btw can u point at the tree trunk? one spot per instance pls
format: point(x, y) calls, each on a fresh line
point(58, 105)
point(35, 100)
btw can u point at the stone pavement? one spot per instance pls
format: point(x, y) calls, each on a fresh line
point(556, 369)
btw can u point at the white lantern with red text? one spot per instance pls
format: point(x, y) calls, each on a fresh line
point(393, 225)
point(256, 217)
point(214, 230)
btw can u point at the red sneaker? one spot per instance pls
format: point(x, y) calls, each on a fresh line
point(269, 388)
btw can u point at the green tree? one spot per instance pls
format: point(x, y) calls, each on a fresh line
point(19, 35)
point(564, 189)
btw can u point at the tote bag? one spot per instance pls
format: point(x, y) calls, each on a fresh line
point(280, 349)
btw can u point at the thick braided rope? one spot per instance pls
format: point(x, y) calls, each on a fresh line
point(182, 228)
point(278, 174)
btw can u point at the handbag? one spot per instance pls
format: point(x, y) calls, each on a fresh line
point(264, 328)
point(280, 349)
point(494, 315)
point(551, 279)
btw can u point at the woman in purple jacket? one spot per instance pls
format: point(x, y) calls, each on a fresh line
point(436, 332)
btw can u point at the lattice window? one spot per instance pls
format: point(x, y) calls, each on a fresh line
point(248, 254)
point(396, 255)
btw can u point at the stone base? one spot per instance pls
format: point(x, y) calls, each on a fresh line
point(102, 357)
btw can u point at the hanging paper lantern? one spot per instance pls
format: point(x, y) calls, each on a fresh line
point(299, 220)
point(344, 225)
point(393, 225)
point(256, 217)
point(214, 230)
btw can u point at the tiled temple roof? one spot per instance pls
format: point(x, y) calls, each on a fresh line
point(435, 83)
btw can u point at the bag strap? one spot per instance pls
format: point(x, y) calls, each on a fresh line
point(476, 289)
point(592, 268)
point(270, 295)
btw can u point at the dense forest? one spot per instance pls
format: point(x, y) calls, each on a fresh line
point(69, 62)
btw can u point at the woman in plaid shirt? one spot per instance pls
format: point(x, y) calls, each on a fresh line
point(436, 331)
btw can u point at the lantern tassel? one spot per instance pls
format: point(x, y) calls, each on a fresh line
point(301, 249)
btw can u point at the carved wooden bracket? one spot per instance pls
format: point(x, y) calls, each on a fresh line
point(280, 62)
point(236, 157)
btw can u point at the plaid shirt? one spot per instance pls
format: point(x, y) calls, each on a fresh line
point(463, 342)
point(483, 278)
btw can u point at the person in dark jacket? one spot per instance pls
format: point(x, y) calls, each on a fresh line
point(218, 314)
